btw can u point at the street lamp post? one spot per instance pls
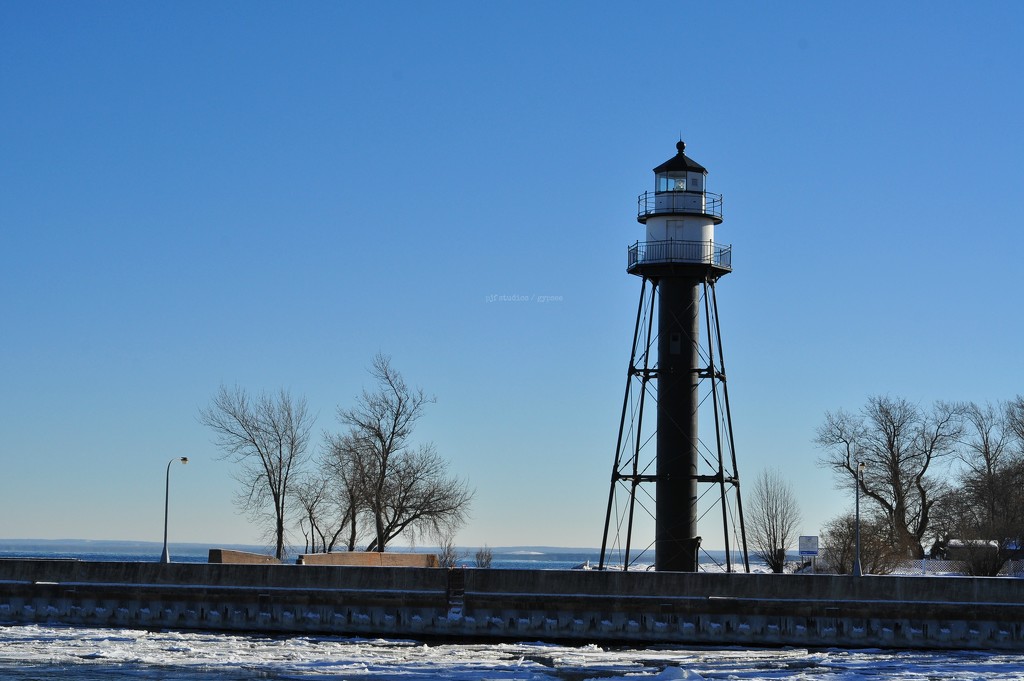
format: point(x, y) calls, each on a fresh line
point(166, 556)
point(856, 557)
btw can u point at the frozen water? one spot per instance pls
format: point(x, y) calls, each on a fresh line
point(40, 652)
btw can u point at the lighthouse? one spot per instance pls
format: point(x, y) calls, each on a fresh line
point(681, 366)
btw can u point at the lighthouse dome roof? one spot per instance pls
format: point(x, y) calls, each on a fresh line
point(680, 162)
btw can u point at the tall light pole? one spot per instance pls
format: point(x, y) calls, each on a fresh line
point(166, 556)
point(856, 558)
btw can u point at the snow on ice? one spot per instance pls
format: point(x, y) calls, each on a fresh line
point(32, 652)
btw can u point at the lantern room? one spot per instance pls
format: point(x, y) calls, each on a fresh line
point(680, 189)
point(680, 173)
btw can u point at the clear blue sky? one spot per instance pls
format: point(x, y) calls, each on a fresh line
point(268, 194)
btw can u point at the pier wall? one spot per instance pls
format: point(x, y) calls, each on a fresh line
point(581, 606)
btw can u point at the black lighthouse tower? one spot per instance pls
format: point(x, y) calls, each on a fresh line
point(681, 371)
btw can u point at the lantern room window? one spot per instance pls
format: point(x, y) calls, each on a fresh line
point(671, 182)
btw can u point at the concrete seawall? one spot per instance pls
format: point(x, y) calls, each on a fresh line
point(589, 606)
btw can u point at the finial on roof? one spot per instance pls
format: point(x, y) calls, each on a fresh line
point(680, 146)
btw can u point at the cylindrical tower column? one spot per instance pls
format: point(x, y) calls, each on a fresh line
point(676, 540)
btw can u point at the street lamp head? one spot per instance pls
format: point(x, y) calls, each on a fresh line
point(184, 459)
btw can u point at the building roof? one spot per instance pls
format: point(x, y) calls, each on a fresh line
point(681, 162)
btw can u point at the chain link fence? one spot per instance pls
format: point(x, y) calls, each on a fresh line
point(936, 567)
point(931, 567)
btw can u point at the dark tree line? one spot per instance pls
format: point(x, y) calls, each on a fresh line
point(932, 475)
point(370, 483)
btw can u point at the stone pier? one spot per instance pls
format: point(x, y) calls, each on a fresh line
point(637, 608)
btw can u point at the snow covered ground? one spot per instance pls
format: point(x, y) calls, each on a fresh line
point(40, 652)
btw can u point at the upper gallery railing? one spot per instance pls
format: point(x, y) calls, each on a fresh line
point(654, 203)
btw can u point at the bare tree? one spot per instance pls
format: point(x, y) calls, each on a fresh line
point(961, 539)
point(401, 488)
point(484, 556)
point(987, 481)
point(343, 470)
point(878, 554)
point(326, 514)
point(837, 544)
point(267, 437)
point(311, 493)
point(982, 514)
point(1015, 418)
point(773, 517)
point(449, 556)
point(898, 442)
